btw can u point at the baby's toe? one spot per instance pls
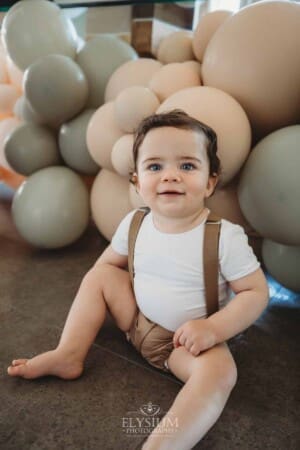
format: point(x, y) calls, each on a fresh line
point(18, 362)
point(17, 371)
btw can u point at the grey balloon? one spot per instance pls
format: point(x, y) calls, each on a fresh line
point(269, 188)
point(72, 144)
point(35, 28)
point(51, 208)
point(283, 263)
point(31, 147)
point(23, 110)
point(56, 88)
point(99, 58)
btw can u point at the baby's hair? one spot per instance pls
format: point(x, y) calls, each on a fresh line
point(179, 119)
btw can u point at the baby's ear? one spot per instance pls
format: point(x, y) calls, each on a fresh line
point(212, 184)
point(133, 178)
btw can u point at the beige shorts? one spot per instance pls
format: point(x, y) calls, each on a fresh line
point(154, 342)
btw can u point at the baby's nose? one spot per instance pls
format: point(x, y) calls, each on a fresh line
point(171, 175)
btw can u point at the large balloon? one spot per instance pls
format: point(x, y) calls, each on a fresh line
point(254, 56)
point(99, 58)
point(36, 28)
point(283, 263)
point(109, 201)
point(270, 185)
point(56, 88)
point(51, 208)
point(31, 147)
point(72, 144)
point(223, 113)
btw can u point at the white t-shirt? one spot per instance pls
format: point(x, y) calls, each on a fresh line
point(168, 283)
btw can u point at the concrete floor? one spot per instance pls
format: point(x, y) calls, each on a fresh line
point(36, 291)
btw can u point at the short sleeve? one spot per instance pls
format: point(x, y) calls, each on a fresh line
point(236, 256)
point(119, 241)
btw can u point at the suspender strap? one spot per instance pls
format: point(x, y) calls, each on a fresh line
point(136, 222)
point(210, 255)
point(211, 262)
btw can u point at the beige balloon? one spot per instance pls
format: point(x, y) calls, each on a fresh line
point(176, 47)
point(206, 28)
point(8, 97)
point(122, 155)
point(172, 78)
point(133, 73)
point(99, 58)
point(195, 65)
point(132, 105)
point(102, 134)
point(36, 28)
point(254, 56)
point(224, 114)
point(135, 199)
point(3, 69)
point(109, 201)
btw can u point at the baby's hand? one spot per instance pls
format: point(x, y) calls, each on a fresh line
point(195, 335)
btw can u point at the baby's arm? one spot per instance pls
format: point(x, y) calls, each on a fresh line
point(249, 302)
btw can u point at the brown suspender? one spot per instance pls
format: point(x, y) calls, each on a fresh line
point(210, 255)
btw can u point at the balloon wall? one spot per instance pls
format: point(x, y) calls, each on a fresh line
point(69, 110)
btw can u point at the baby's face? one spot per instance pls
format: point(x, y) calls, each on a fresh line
point(173, 171)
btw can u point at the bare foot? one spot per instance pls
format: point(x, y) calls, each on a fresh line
point(54, 362)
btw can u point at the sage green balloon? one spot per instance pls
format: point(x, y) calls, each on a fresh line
point(51, 208)
point(35, 28)
point(269, 188)
point(283, 263)
point(23, 111)
point(56, 88)
point(72, 144)
point(31, 147)
point(99, 58)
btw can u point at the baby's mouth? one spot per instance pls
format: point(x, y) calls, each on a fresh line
point(171, 193)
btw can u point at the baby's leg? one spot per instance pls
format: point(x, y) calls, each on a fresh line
point(209, 379)
point(104, 286)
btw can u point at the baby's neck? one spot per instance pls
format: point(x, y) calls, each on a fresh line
point(179, 224)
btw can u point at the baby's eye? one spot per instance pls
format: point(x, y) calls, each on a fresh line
point(154, 167)
point(188, 166)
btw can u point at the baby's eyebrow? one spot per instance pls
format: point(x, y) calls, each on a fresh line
point(158, 158)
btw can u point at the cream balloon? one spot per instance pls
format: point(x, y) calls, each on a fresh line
point(176, 47)
point(6, 127)
point(133, 73)
point(109, 201)
point(282, 262)
point(122, 155)
point(172, 78)
point(102, 134)
point(36, 28)
point(132, 105)
point(99, 58)
point(259, 66)
point(224, 114)
point(206, 28)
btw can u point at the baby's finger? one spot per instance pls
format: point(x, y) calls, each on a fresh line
point(176, 337)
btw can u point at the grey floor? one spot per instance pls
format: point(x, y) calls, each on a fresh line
point(92, 412)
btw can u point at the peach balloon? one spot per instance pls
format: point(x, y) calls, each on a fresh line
point(7, 126)
point(11, 178)
point(224, 114)
point(132, 105)
point(122, 155)
point(3, 69)
point(15, 74)
point(133, 73)
point(102, 133)
point(207, 26)
point(109, 201)
point(8, 97)
point(172, 78)
point(176, 47)
point(135, 199)
point(254, 56)
point(195, 65)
